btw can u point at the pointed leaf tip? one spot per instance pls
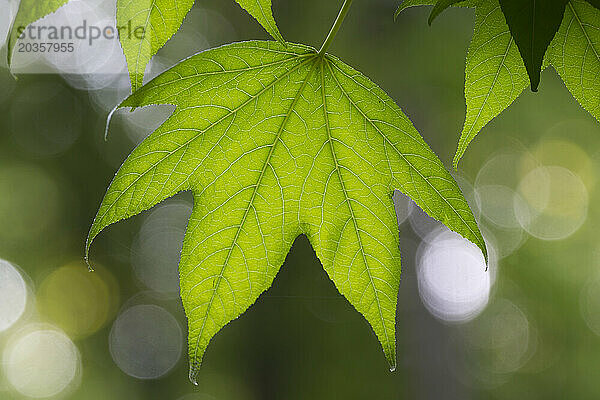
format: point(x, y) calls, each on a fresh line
point(159, 19)
point(193, 375)
point(496, 74)
point(262, 12)
point(248, 117)
point(440, 7)
point(533, 24)
point(414, 3)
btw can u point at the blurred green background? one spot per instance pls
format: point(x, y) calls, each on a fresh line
point(527, 328)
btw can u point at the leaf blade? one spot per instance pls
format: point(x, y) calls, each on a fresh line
point(261, 11)
point(439, 7)
point(29, 12)
point(159, 19)
point(436, 206)
point(415, 3)
point(575, 54)
point(412, 3)
point(277, 141)
point(494, 74)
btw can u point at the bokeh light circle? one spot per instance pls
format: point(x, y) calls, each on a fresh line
point(565, 154)
point(496, 203)
point(505, 168)
point(402, 205)
point(146, 341)
point(421, 223)
point(469, 192)
point(41, 362)
point(506, 240)
point(503, 337)
point(13, 295)
point(590, 305)
point(104, 99)
point(145, 120)
point(556, 203)
point(453, 281)
point(5, 19)
point(78, 301)
point(156, 250)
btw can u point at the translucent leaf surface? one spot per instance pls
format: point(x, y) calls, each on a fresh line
point(414, 3)
point(29, 12)
point(495, 74)
point(261, 11)
point(575, 54)
point(274, 142)
point(154, 22)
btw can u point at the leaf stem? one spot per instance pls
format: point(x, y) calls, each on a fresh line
point(336, 26)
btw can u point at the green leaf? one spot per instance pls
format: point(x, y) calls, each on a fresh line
point(439, 7)
point(495, 71)
point(414, 3)
point(495, 74)
point(261, 11)
point(149, 24)
point(575, 54)
point(533, 24)
point(274, 142)
point(159, 20)
point(29, 12)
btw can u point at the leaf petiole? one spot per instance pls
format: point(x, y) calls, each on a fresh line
point(336, 26)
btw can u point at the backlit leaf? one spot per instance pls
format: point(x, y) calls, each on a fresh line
point(575, 54)
point(274, 142)
point(414, 3)
point(495, 74)
point(29, 12)
point(261, 11)
point(149, 24)
point(144, 27)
